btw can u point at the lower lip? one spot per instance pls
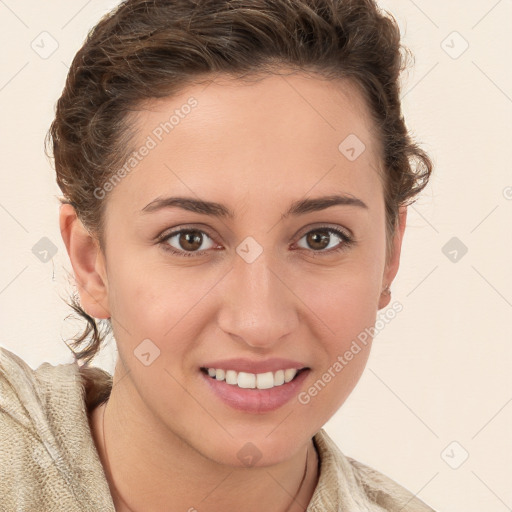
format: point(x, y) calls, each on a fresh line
point(256, 400)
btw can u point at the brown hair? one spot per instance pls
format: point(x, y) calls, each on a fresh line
point(149, 49)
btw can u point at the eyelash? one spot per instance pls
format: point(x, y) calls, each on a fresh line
point(347, 241)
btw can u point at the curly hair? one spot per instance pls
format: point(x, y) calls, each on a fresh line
point(150, 49)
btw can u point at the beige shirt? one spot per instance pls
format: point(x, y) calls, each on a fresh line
point(49, 462)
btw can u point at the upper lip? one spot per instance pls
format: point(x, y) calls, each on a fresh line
point(241, 364)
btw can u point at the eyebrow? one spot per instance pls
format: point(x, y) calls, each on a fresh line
point(299, 207)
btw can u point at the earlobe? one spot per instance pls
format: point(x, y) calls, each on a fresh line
point(394, 260)
point(87, 262)
point(385, 297)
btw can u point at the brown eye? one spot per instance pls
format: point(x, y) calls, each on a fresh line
point(325, 239)
point(318, 239)
point(190, 240)
point(186, 240)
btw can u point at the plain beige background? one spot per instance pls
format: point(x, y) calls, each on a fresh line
point(433, 409)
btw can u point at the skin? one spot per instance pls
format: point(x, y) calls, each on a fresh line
point(256, 148)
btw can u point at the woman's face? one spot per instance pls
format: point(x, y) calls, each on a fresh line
point(258, 276)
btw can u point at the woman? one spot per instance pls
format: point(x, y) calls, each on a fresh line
point(236, 178)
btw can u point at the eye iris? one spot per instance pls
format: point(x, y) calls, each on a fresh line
point(190, 240)
point(321, 237)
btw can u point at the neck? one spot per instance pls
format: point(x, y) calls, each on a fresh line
point(148, 467)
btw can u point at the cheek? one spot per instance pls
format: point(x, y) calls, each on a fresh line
point(155, 301)
point(345, 340)
point(346, 308)
point(345, 299)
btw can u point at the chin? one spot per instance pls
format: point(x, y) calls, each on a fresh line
point(258, 446)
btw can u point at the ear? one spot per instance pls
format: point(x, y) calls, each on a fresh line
point(393, 261)
point(87, 261)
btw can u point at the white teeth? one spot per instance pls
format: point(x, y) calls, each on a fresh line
point(289, 374)
point(247, 380)
point(231, 377)
point(265, 380)
point(279, 378)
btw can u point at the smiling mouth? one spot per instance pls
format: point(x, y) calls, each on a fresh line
point(256, 381)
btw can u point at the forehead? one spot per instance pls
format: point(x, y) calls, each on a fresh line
point(285, 131)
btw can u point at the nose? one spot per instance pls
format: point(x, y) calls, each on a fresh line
point(258, 305)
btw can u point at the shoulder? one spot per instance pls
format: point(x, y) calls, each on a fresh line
point(24, 391)
point(385, 491)
point(354, 485)
point(27, 394)
point(47, 455)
